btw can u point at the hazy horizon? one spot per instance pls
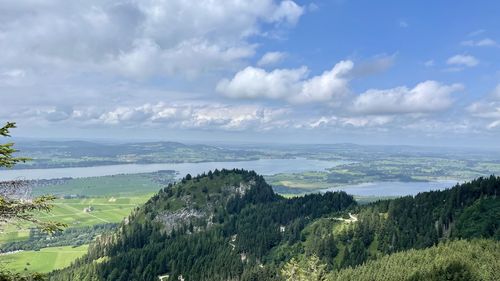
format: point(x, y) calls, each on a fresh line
point(261, 144)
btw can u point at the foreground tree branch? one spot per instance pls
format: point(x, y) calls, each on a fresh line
point(16, 206)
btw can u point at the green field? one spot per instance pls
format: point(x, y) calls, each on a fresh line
point(115, 185)
point(104, 210)
point(109, 198)
point(71, 212)
point(304, 182)
point(11, 234)
point(42, 261)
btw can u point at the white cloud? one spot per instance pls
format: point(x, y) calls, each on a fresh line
point(254, 82)
point(476, 32)
point(12, 77)
point(488, 108)
point(327, 86)
point(271, 58)
point(189, 116)
point(288, 12)
point(13, 73)
point(496, 92)
point(486, 42)
point(151, 37)
point(312, 7)
point(323, 121)
point(368, 121)
point(485, 109)
point(343, 121)
point(190, 58)
point(193, 115)
point(429, 63)
point(438, 126)
point(426, 97)
point(463, 60)
point(292, 85)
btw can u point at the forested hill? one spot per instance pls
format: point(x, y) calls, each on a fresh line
point(229, 225)
point(211, 227)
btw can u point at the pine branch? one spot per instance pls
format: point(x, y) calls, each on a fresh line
point(7, 149)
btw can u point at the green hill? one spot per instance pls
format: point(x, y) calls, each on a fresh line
point(230, 225)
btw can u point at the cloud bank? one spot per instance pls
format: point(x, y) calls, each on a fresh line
point(425, 97)
point(292, 85)
point(138, 38)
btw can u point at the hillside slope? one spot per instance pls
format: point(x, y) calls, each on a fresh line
point(217, 226)
point(461, 260)
point(229, 225)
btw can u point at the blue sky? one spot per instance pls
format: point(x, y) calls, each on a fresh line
point(371, 72)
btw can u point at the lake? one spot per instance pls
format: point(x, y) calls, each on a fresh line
point(262, 166)
point(394, 188)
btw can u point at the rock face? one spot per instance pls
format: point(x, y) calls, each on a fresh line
point(243, 187)
point(173, 220)
point(197, 203)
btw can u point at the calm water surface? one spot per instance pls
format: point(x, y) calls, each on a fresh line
point(262, 166)
point(394, 188)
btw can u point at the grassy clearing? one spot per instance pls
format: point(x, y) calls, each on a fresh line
point(71, 212)
point(310, 181)
point(112, 198)
point(42, 261)
point(12, 234)
point(104, 210)
point(115, 185)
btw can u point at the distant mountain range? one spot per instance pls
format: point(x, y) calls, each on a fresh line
point(57, 154)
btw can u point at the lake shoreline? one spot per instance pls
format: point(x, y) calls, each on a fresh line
point(261, 166)
point(394, 188)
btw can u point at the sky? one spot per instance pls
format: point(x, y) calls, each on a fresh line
point(331, 71)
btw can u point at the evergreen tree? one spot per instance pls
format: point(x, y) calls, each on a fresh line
point(13, 208)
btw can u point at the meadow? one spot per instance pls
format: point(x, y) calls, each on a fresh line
point(105, 186)
point(72, 213)
point(110, 198)
point(42, 261)
point(91, 211)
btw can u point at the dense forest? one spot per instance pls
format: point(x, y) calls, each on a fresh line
point(455, 260)
point(230, 225)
